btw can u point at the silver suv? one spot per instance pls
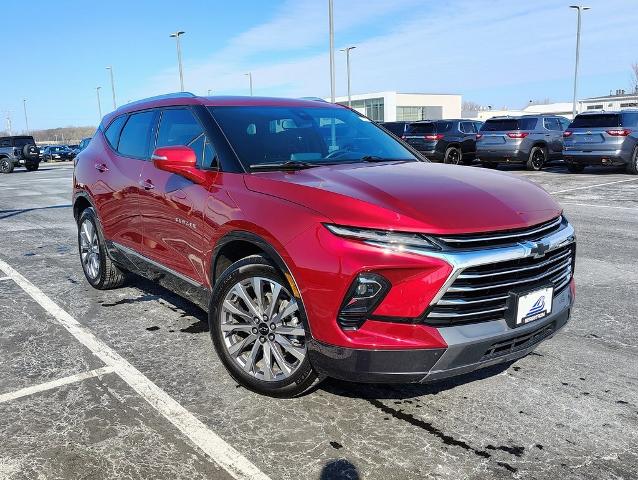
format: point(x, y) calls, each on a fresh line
point(532, 140)
point(602, 138)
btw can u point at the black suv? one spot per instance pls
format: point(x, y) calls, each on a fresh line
point(602, 138)
point(395, 128)
point(18, 151)
point(448, 141)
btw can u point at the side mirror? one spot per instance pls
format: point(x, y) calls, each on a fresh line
point(180, 160)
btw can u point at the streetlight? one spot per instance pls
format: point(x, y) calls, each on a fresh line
point(26, 119)
point(331, 29)
point(209, 90)
point(110, 69)
point(347, 50)
point(176, 36)
point(250, 81)
point(580, 9)
point(99, 104)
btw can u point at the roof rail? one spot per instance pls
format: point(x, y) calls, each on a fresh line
point(162, 97)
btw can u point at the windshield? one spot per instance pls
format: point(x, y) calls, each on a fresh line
point(596, 121)
point(313, 135)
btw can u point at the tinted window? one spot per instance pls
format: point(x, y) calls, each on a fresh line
point(421, 128)
point(112, 133)
point(564, 123)
point(503, 124)
point(467, 127)
point(630, 119)
point(395, 127)
point(5, 142)
point(500, 125)
point(313, 134)
point(444, 126)
point(134, 140)
point(552, 124)
point(596, 120)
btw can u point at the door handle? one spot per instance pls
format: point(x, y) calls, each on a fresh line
point(101, 167)
point(147, 185)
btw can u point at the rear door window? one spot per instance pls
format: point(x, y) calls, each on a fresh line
point(552, 124)
point(135, 136)
point(601, 120)
point(468, 127)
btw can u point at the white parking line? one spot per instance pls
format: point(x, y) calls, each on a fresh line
point(599, 206)
point(208, 441)
point(2, 279)
point(78, 377)
point(592, 186)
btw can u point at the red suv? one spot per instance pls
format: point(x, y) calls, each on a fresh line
point(319, 244)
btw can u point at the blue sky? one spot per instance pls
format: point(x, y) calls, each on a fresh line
point(496, 52)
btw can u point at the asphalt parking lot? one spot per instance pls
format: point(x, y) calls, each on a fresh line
point(125, 384)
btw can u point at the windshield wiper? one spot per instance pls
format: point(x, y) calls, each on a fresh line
point(290, 165)
point(374, 158)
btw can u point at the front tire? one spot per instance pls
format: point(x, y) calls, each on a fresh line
point(537, 159)
point(6, 165)
point(99, 269)
point(259, 329)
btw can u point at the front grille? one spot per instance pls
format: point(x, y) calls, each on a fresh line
point(480, 294)
point(517, 343)
point(504, 237)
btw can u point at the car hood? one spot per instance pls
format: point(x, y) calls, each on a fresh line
point(412, 196)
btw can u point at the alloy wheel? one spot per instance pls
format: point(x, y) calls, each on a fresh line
point(262, 329)
point(90, 249)
point(453, 157)
point(538, 158)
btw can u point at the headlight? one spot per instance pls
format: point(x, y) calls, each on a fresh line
point(384, 238)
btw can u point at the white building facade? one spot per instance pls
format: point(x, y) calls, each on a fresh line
point(395, 106)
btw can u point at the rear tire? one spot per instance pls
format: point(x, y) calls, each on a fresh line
point(33, 167)
point(537, 159)
point(575, 168)
point(453, 156)
point(262, 345)
point(6, 165)
point(632, 166)
point(99, 269)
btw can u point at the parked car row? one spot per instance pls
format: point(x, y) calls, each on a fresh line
point(61, 153)
point(596, 138)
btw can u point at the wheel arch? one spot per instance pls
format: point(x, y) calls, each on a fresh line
point(240, 244)
point(81, 202)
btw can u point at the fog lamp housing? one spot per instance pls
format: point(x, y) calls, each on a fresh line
point(365, 293)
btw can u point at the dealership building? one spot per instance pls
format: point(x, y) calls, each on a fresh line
point(394, 106)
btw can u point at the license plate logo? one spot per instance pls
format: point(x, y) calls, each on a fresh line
point(534, 306)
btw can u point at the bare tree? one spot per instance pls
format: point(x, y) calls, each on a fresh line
point(634, 76)
point(469, 106)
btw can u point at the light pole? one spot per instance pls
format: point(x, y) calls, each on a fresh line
point(9, 127)
point(347, 50)
point(331, 29)
point(26, 118)
point(176, 36)
point(580, 9)
point(110, 69)
point(209, 90)
point(250, 81)
point(99, 104)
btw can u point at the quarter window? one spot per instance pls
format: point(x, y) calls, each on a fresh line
point(552, 124)
point(134, 140)
point(467, 127)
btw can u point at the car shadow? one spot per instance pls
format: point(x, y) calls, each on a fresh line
point(408, 390)
point(13, 213)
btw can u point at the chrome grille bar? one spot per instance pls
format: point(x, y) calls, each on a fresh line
point(504, 236)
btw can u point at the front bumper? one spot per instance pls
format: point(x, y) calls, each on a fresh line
point(470, 347)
